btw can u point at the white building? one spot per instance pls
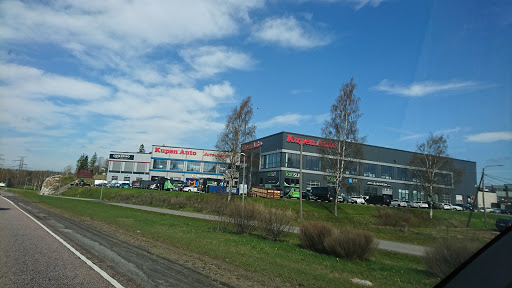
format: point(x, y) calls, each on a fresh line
point(128, 166)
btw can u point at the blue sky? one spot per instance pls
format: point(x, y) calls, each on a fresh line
point(93, 76)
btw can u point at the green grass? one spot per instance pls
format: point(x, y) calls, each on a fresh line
point(283, 261)
point(422, 231)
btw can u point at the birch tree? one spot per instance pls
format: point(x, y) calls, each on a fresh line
point(237, 130)
point(341, 128)
point(430, 158)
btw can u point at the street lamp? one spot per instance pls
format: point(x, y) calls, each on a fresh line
point(483, 192)
point(243, 180)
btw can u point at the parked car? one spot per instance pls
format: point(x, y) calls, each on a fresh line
point(487, 209)
point(421, 204)
point(439, 206)
point(308, 196)
point(346, 199)
point(358, 199)
point(496, 210)
point(379, 200)
point(190, 189)
point(324, 193)
point(503, 223)
point(398, 203)
point(457, 207)
point(506, 211)
point(412, 204)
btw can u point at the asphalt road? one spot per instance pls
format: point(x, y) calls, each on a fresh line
point(31, 257)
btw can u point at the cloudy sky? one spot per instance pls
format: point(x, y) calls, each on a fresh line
point(93, 76)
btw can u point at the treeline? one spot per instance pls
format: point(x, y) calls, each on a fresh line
point(25, 178)
point(97, 164)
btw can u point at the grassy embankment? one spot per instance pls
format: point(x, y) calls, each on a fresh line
point(285, 261)
point(416, 227)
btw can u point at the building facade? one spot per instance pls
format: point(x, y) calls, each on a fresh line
point(187, 164)
point(128, 166)
point(274, 162)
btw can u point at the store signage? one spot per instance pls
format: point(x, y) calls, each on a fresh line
point(290, 138)
point(206, 154)
point(382, 184)
point(292, 174)
point(175, 151)
point(251, 146)
point(271, 174)
point(121, 156)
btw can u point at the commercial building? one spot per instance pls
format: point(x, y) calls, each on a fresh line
point(186, 164)
point(128, 166)
point(274, 162)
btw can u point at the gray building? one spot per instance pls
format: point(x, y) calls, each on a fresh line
point(273, 162)
point(128, 166)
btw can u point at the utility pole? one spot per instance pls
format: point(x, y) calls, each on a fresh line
point(300, 178)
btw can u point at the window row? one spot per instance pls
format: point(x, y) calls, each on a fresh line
point(128, 167)
point(189, 166)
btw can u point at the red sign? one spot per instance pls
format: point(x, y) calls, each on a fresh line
point(303, 141)
point(251, 146)
point(84, 173)
point(215, 155)
point(175, 151)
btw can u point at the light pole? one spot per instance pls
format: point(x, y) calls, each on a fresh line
point(102, 184)
point(243, 179)
point(483, 191)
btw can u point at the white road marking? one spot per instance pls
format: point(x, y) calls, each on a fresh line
point(87, 261)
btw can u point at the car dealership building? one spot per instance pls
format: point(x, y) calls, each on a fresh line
point(187, 164)
point(273, 162)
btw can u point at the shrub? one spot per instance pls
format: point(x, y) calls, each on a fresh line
point(312, 236)
point(242, 218)
point(351, 244)
point(273, 223)
point(445, 256)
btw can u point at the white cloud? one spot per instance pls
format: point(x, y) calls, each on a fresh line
point(284, 120)
point(208, 60)
point(124, 25)
point(358, 4)
point(489, 137)
point(290, 33)
point(419, 89)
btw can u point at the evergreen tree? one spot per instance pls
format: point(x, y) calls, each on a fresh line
point(92, 163)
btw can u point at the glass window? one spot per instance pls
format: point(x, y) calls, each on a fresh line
point(126, 178)
point(386, 172)
point(443, 179)
point(369, 190)
point(128, 167)
point(292, 160)
point(116, 167)
point(223, 168)
point(370, 170)
point(194, 166)
point(140, 168)
point(210, 167)
point(351, 168)
point(159, 164)
point(311, 184)
point(402, 174)
point(114, 178)
point(403, 194)
point(177, 165)
point(311, 163)
point(271, 160)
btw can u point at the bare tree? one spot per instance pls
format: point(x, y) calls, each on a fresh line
point(430, 159)
point(341, 128)
point(237, 130)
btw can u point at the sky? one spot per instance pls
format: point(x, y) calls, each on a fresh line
point(84, 77)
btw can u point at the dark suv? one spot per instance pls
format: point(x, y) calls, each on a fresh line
point(379, 200)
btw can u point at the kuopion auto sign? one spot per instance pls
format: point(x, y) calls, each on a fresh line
point(292, 139)
point(121, 156)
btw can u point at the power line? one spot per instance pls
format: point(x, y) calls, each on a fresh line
point(506, 180)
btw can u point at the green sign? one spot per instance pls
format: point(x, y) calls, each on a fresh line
point(292, 174)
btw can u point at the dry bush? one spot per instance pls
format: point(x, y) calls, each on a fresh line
point(273, 223)
point(445, 256)
point(312, 236)
point(242, 217)
point(350, 244)
point(386, 216)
